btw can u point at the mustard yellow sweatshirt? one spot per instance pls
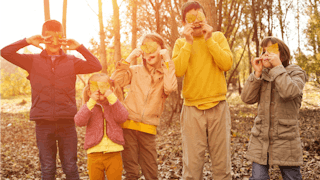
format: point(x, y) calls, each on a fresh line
point(203, 64)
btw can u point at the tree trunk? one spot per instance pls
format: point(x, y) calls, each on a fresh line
point(255, 28)
point(270, 22)
point(214, 16)
point(220, 15)
point(64, 17)
point(103, 54)
point(280, 19)
point(244, 49)
point(298, 25)
point(156, 7)
point(134, 29)
point(207, 5)
point(46, 10)
point(64, 21)
point(116, 30)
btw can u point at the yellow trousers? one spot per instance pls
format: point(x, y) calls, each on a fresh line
point(99, 162)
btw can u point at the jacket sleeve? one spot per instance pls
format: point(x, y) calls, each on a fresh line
point(169, 78)
point(251, 90)
point(181, 56)
point(22, 60)
point(91, 64)
point(122, 75)
point(83, 116)
point(288, 86)
point(120, 113)
point(220, 51)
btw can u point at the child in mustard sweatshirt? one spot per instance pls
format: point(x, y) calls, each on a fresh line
point(201, 57)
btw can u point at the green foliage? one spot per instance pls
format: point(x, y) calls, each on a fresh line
point(13, 84)
point(311, 64)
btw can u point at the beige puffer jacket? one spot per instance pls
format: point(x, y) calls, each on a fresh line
point(149, 89)
point(276, 127)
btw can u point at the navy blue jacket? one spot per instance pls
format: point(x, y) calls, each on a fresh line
point(52, 84)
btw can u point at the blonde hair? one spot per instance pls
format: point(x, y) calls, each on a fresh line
point(156, 38)
point(95, 77)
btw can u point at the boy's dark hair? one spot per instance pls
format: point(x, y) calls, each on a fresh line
point(283, 49)
point(52, 25)
point(186, 7)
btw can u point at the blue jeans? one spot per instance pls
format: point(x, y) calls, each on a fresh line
point(48, 133)
point(260, 172)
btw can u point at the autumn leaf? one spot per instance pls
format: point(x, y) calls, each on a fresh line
point(273, 48)
point(149, 47)
point(190, 18)
point(93, 86)
point(103, 87)
point(201, 16)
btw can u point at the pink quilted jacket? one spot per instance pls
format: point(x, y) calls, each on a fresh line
point(114, 115)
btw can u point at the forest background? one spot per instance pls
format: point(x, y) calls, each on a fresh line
point(244, 23)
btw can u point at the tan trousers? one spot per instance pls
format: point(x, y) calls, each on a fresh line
point(201, 129)
point(140, 149)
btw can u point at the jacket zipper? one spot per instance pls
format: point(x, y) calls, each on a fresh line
point(144, 109)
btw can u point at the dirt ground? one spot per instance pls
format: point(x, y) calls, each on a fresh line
point(19, 153)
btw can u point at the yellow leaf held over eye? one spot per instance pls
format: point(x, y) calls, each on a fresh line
point(103, 87)
point(190, 17)
point(149, 47)
point(93, 86)
point(201, 16)
point(273, 48)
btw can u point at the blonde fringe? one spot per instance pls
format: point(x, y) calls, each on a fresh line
point(117, 90)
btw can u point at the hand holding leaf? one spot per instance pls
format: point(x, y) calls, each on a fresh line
point(273, 48)
point(103, 87)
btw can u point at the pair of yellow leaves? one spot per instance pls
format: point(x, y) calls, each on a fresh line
point(101, 86)
point(149, 47)
point(191, 17)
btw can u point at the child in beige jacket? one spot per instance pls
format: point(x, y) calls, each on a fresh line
point(150, 85)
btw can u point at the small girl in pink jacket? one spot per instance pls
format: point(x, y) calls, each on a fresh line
point(102, 113)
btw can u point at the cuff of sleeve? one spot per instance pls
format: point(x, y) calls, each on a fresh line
point(259, 78)
point(91, 103)
point(252, 78)
point(125, 62)
point(167, 65)
point(276, 71)
point(80, 48)
point(112, 98)
point(187, 46)
point(121, 65)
